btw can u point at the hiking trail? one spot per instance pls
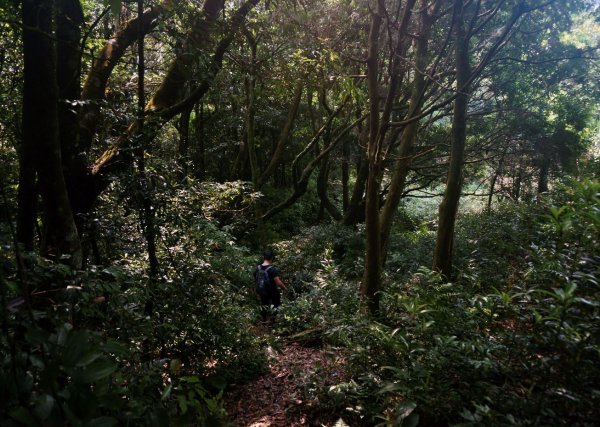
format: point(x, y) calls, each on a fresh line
point(276, 398)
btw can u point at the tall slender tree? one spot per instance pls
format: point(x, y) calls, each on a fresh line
point(41, 140)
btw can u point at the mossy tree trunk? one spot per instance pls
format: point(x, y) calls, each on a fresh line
point(167, 101)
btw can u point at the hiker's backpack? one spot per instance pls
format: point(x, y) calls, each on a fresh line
point(263, 283)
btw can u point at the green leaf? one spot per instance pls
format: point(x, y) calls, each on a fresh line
point(88, 358)
point(411, 421)
point(182, 404)
point(25, 383)
point(63, 333)
point(467, 415)
point(37, 362)
point(191, 379)
point(115, 6)
point(113, 271)
point(75, 348)
point(116, 348)
point(96, 371)
point(166, 392)
point(390, 388)
point(405, 409)
point(43, 406)
point(175, 365)
point(71, 417)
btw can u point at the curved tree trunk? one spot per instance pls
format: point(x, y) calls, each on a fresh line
point(96, 80)
point(322, 181)
point(378, 127)
point(165, 104)
point(301, 184)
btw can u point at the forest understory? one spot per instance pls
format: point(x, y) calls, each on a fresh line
point(425, 173)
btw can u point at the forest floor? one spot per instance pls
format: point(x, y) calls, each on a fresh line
point(282, 396)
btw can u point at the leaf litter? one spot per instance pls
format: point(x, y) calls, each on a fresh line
point(279, 397)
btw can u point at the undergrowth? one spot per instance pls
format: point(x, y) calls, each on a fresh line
point(512, 341)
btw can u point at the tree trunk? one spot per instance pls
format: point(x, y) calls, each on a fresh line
point(370, 283)
point(378, 127)
point(184, 141)
point(285, 134)
point(164, 106)
point(443, 252)
point(301, 183)
point(409, 134)
point(325, 167)
point(494, 179)
point(543, 177)
point(199, 155)
point(41, 133)
point(517, 183)
point(355, 212)
point(26, 213)
point(251, 109)
point(171, 89)
point(147, 212)
point(345, 176)
point(492, 188)
point(68, 35)
point(322, 181)
point(96, 81)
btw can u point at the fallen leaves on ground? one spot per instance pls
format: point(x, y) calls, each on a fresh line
point(277, 398)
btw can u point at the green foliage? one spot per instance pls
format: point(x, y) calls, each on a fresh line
point(514, 341)
point(321, 274)
point(107, 346)
point(102, 357)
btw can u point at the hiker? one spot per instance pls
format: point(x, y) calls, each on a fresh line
point(267, 284)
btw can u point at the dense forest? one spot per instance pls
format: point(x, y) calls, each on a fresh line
point(426, 173)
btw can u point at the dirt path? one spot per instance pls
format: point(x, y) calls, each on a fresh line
point(276, 398)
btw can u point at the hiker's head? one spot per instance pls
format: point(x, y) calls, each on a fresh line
point(268, 255)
